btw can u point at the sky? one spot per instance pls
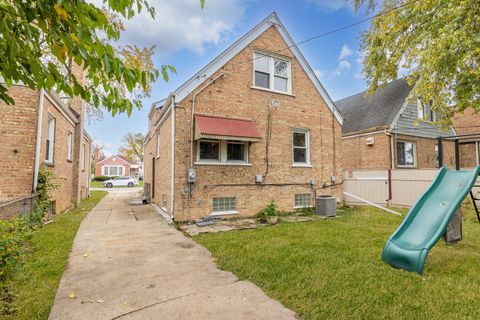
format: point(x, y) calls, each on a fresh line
point(188, 38)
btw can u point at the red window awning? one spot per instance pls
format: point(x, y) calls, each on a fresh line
point(216, 127)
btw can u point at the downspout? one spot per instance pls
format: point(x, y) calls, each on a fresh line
point(39, 138)
point(192, 128)
point(172, 191)
point(389, 182)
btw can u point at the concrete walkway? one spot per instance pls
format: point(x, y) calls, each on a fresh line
point(128, 263)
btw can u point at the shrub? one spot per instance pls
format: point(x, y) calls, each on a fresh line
point(103, 178)
point(270, 210)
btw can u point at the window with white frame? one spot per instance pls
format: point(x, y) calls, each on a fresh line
point(69, 145)
point(301, 147)
point(105, 171)
point(113, 170)
point(227, 204)
point(120, 171)
point(425, 112)
point(272, 73)
point(222, 151)
point(303, 200)
point(406, 156)
point(50, 141)
point(158, 145)
point(83, 156)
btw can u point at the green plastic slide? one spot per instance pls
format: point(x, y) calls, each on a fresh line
point(428, 219)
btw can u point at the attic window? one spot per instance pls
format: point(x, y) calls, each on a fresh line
point(272, 73)
point(425, 112)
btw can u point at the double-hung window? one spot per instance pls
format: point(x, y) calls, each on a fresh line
point(272, 73)
point(222, 151)
point(406, 154)
point(158, 145)
point(50, 142)
point(83, 157)
point(425, 112)
point(301, 147)
point(69, 145)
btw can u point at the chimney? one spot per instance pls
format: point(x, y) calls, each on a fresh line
point(96, 154)
point(76, 103)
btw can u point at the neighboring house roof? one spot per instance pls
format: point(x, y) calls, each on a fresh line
point(126, 159)
point(362, 112)
point(115, 156)
point(272, 20)
point(215, 126)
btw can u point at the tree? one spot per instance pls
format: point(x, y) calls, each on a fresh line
point(41, 42)
point(437, 42)
point(133, 146)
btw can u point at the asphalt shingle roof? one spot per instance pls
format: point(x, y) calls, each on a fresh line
point(361, 112)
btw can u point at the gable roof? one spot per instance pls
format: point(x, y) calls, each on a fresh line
point(272, 20)
point(362, 112)
point(122, 159)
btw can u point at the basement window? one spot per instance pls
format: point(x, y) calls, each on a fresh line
point(224, 205)
point(303, 200)
point(406, 154)
point(272, 73)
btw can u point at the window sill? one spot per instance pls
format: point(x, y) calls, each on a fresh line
point(273, 91)
point(302, 207)
point(200, 163)
point(302, 166)
point(223, 213)
point(49, 164)
point(406, 167)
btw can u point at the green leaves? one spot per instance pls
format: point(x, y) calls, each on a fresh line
point(437, 42)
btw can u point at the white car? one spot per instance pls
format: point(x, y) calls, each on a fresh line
point(120, 182)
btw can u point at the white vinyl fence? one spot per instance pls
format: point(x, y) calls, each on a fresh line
point(407, 186)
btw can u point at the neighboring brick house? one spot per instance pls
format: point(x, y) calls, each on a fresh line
point(468, 123)
point(41, 130)
point(254, 125)
point(115, 166)
point(385, 131)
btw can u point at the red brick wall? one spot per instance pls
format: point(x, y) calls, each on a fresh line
point(467, 123)
point(112, 161)
point(358, 155)
point(17, 143)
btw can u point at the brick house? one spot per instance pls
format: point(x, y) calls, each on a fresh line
point(254, 125)
point(40, 129)
point(468, 123)
point(385, 131)
point(118, 166)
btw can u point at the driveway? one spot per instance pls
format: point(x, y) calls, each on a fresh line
point(128, 263)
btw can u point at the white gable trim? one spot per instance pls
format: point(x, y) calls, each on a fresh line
point(101, 161)
point(272, 20)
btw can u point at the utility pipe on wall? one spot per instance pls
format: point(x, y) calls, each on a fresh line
point(38, 141)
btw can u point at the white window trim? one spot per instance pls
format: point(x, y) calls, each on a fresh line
point(414, 165)
point(271, 73)
point(157, 155)
point(223, 154)
point(69, 145)
point(116, 166)
point(83, 156)
point(51, 151)
point(421, 113)
point(307, 163)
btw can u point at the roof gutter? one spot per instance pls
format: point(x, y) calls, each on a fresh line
point(38, 140)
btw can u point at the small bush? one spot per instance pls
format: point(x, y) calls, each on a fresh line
point(103, 178)
point(270, 210)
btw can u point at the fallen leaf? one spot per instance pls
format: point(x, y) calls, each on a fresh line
point(85, 255)
point(100, 301)
point(72, 295)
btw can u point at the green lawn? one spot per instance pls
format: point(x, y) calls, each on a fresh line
point(99, 184)
point(331, 269)
point(36, 281)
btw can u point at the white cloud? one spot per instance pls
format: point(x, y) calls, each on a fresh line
point(345, 52)
point(344, 65)
point(183, 24)
point(319, 73)
point(335, 73)
point(329, 4)
point(358, 75)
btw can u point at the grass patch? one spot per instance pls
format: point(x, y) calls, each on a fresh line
point(331, 269)
point(99, 184)
point(35, 283)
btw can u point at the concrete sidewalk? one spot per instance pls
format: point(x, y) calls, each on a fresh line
point(128, 263)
